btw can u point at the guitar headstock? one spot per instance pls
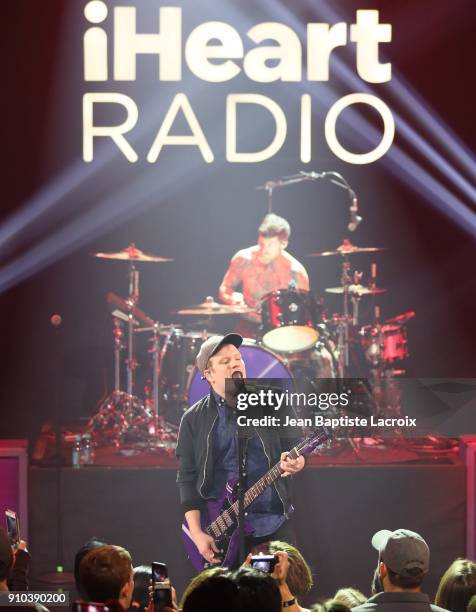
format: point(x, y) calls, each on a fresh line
point(314, 441)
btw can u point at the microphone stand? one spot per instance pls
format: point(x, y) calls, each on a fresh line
point(58, 578)
point(333, 177)
point(242, 449)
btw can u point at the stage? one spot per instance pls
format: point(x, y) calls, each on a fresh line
point(337, 510)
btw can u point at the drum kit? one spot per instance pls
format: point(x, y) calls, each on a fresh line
point(295, 336)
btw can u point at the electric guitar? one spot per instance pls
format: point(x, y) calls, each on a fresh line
point(220, 517)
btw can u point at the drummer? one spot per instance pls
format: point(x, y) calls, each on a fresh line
point(261, 268)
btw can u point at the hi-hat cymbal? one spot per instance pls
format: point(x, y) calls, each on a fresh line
point(211, 308)
point(131, 253)
point(346, 248)
point(355, 290)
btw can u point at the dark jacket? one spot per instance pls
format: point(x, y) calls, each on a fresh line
point(399, 602)
point(195, 455)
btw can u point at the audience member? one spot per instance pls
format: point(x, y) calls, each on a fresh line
point(14, 565)
point(332, 605)
point(212, 590)
point(257, 591)
point(201, 578)
point(141, 595)
point(403, 562)
point(457, 586)
point(106, 574)
point(298, 580)
point(82, 552)
point(472, 604)
point(376, 585)
point(350, 597)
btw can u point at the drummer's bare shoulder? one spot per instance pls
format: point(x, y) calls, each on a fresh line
point(297, 269)
point(245, 256)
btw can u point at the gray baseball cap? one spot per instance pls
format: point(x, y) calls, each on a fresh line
point(403, 551)
point(211, 346)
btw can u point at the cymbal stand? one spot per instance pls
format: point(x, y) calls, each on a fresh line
point(118, 346)
point(132, 300)
point(355, 299)
point(155, 371)
point(343, 327)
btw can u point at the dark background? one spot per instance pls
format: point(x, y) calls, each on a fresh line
point(214, 210)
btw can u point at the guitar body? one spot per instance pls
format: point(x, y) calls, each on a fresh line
point(228, 543)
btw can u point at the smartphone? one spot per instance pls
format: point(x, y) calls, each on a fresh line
point(161, 586)
point(265, 563)
point(13, 527)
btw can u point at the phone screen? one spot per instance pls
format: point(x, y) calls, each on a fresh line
point(162, 590)
point(81, 606)
point(159, 572)
point(265, 563)
point(13, 529)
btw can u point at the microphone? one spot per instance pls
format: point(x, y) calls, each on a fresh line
point(355, 219)
point(56, 320)
point(238, 381)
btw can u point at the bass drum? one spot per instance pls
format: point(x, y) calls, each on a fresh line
point(259, 362)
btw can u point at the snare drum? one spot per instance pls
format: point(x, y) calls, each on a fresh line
point(289, 319)
point(259, 363)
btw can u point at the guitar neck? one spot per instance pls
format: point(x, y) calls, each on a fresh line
point(229, 516)
point(267, 480)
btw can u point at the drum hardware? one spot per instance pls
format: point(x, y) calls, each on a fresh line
point(177, 361)
point(123, 416)
point(260, 362)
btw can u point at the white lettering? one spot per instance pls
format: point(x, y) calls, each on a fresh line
point(90, 131)
point(280, 133)
point(321, 41)
point(367, 33)
point(388, 128)
point(197, 138)
point(198, 51)
point(166, 44)
point(288, 52)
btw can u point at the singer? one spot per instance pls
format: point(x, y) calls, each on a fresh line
point(207, 451)
point(262, 268)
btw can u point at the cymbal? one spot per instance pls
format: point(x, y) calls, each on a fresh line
point(346, 248)
point(131, 253)
point(211, 308)
point(401, 319)
point(355, 290)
